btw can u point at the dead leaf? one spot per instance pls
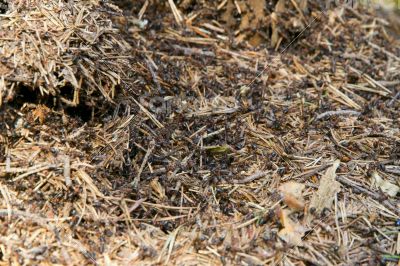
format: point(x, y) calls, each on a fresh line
point(40, 113)
point(291, 232)
point(327, 190)
point(218, 149)
point(386, 187)
point(292, 195)
point(293, 203)
point(293, 188)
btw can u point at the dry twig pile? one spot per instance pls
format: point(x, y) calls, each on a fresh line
point(61, 49)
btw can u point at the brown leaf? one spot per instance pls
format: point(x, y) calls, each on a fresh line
point(293, 203)
point(291, 232)
point(327, 190)
point(40, 113)
point(292, 195)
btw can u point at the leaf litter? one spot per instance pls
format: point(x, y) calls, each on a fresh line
point(198, 133)
point(327, 190)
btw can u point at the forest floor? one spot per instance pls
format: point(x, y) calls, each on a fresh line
point(199, 133)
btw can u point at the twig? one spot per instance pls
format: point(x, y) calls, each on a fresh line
point(393, 169)
point(192, 51)
point(146, 157)
point(34, 218)
point(338, 113)
point(153, 75)
point(250, 178)
point(395, 98)
point(356, 187)
point(175, 11)
point(302, 176)
point(67, 171)
point(33, 171)
point(380, 49)
point(152, 118)
point(375, 196)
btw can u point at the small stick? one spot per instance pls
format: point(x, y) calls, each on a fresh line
point(309, 173)
point(375, 196)
point(192, 51)
point(143, 10)
point(30, 216)
point(146, 157)
point(136, 205)
point(67, 171)
point(338, 113)
point(8, 164)
point(152, 118)
point(389, 54)
point(395, 98)
point(49, 166)
point(175, 11)
point(153, 75)
point(356, 187)
point(393, 169)
point(250, 178)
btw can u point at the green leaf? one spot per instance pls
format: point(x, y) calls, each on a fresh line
point(218, 149)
